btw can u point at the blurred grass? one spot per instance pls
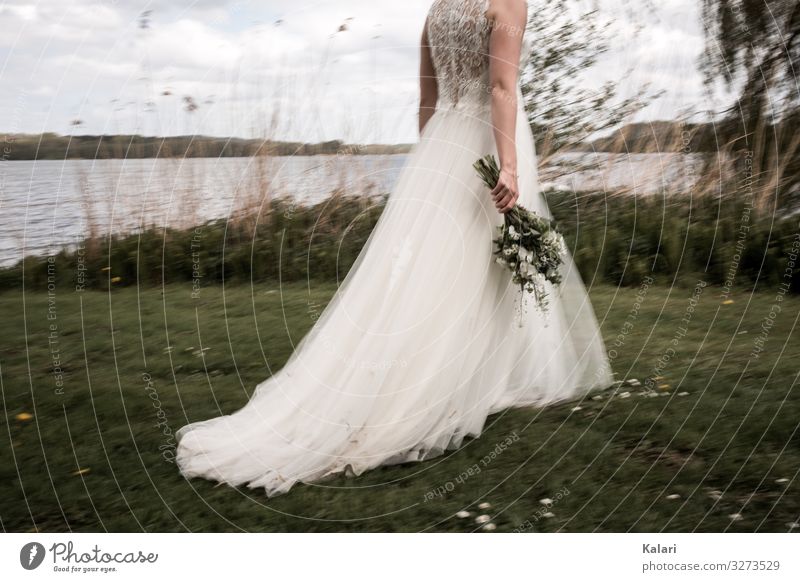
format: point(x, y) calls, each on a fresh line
point(619, 458)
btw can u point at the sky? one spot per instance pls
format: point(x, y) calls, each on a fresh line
point(305, 70)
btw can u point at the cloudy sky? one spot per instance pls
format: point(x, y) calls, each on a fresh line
point(308, 70)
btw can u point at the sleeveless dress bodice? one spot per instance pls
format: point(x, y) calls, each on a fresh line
point(459, 33)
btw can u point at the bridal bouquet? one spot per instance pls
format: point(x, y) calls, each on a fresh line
point(528, 244)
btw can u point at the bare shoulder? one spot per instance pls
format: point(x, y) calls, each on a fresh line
point(513, 10)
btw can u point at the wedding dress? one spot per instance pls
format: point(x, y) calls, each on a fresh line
point(421, 340)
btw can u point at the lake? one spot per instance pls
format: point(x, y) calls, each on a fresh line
point(45, 205)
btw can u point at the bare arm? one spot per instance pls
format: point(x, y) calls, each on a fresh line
point(509, 18)
point(428, 89)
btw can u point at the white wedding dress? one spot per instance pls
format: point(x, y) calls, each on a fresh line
point(421, 342)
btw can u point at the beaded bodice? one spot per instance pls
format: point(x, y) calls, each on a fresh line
point(458, 33)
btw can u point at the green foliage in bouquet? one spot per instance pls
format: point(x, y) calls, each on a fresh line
point(529, 245)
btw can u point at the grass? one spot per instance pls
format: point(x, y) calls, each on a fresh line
point(92, 456)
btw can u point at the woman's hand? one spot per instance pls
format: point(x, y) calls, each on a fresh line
point(506, 192)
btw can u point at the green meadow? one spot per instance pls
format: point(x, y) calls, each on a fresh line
point(700, 435)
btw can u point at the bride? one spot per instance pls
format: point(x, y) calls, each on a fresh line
point(420, 342)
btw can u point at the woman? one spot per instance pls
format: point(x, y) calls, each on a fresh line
point(420, 342)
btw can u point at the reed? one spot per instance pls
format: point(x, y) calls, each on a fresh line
point(614, 239)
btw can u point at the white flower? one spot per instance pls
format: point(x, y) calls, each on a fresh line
point(736, 516)
point(547, 502)
point(549, 514)
point(489, 527)
point(482, 519)
point(673, 496)
point(463, 514)
point(484, 505)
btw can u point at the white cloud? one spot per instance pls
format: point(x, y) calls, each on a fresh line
point(242, 59)
point(26, 12)
point(189, 44)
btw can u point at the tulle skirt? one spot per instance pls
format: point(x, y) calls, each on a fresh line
point(422, 341)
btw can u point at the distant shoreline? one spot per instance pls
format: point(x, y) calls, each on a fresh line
point(640, 137)
point(50, 146)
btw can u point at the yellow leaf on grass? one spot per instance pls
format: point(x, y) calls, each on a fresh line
point(116, 279)
point(24, 416)
point(727, 302)
point(663, 386)
point(81, 471)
